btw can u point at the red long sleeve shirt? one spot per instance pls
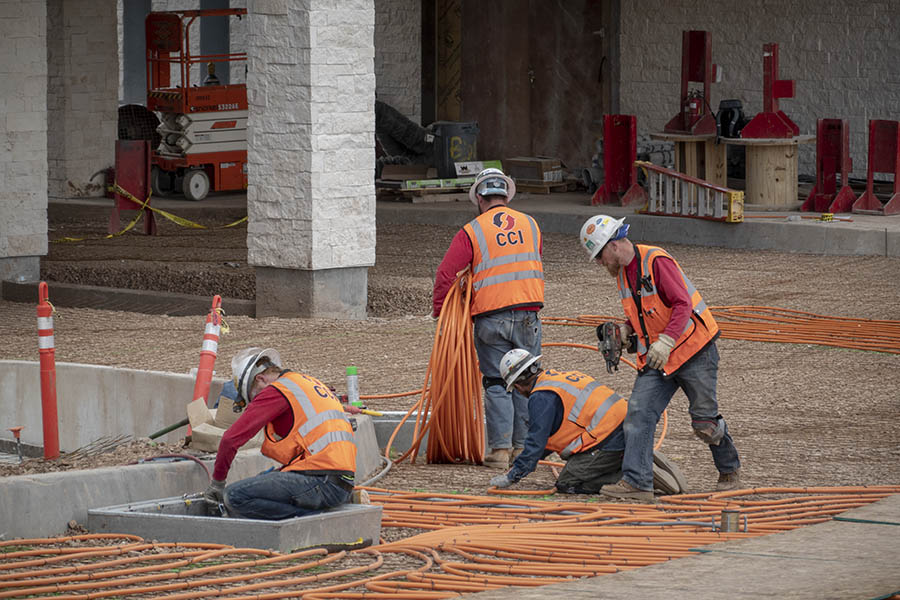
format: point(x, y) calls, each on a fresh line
point(458, 256)
point(671, 289)
point(269, 406)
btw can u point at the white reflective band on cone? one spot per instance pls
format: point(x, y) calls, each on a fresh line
point(45, 322)
point(45, 342)
point(212, 329)
point(210, 346)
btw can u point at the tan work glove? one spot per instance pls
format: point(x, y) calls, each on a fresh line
point(658, 355)
point(215, 493)
point(625, 330)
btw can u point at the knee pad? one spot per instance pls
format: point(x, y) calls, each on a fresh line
point(487, 382)
point(710, 431)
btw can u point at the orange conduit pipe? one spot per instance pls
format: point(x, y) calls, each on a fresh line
point(514, 542)
point(450, 408)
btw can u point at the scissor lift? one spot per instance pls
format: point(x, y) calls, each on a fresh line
point(203, 124)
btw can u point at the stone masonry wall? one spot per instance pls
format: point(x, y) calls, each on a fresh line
point(398, 55)
point(311, 127)
point(82, 94)
point(842, 55)
point(23, 128)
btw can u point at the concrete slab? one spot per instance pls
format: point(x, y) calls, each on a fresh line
point(185, 520)
point(853, 556)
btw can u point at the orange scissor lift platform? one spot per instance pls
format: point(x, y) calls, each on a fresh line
point(203, 125)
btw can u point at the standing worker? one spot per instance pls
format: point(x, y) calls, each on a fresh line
point(503, 248)
point(675, 340)
point(572, 415)
point(306, 431)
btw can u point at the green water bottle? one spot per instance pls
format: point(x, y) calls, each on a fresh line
point(353, 387)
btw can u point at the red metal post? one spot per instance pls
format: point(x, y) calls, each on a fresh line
point(694, 115)
point(832, 153)
point(884, 157)
point(47, 352)
point(772, 122)
point(209, 351)
point(133, 176)
point(619, 154)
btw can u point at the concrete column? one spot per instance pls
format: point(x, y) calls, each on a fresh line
point(214, 36)
point(23, 138)
point(82, 94)
point(311, 197)
point(134, 51)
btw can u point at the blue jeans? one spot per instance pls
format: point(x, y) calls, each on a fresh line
point(506, 413)
point(649, 398)
point(283, 494)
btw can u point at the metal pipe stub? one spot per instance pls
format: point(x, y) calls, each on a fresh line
point(730, 520)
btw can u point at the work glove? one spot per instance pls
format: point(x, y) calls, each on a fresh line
point(215, 493)
point(658, 355)
point(625, 331)
point(501, 481)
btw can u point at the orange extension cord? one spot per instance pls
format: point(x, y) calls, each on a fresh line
point(469, 544)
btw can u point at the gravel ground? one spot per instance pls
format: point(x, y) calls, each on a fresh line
point(801, 415)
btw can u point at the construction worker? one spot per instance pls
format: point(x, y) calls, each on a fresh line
point(306, 431)
point(503, 248)
point(675, 340)
point(571, 414)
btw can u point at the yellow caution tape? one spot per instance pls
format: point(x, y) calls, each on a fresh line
point(223, 328)
point(145, 204)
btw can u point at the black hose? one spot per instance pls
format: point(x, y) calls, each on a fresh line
point(172, 427)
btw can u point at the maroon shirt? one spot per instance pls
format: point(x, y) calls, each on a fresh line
point(269, 406)
point(671, 289)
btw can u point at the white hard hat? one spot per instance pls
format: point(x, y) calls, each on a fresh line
point(492, 182)
point(600, 229)
point(514, 363)
point(249, 363)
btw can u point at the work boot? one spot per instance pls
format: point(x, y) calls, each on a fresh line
point(359, 497)
point(515, 454)
point(729, 481)
point(625, 491)
point(497, 459)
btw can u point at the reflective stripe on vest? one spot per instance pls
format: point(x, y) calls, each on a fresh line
point(580, 403)
point(314, 408)
point(699, 329)
point(506, 261)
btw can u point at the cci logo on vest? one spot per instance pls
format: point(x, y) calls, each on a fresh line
point(506, 222)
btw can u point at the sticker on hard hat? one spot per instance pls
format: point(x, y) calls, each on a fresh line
point(591, 228)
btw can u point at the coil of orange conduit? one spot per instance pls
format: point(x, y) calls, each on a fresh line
point(450, 408)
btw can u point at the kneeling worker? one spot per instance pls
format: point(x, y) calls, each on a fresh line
point(306, 430)
point(571, 414)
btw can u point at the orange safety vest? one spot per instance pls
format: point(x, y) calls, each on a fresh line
point(699, 330)
point(506, 265)
point(321, 438)
point(593, 411)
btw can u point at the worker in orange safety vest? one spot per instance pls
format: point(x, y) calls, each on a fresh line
point(674, 336)
point(306, 431)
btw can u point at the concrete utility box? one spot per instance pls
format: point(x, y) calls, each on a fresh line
point(186, 520)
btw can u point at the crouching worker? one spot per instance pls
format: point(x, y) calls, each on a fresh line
point(306, 430)
point(571, 414)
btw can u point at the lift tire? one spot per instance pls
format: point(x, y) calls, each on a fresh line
point(195, 185)
point(161, 182)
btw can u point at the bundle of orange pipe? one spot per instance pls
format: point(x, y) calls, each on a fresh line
point(450, 407)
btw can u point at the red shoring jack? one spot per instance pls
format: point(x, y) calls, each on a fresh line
point(208, 351)
point(772, 122)
point(694, 116)
point(619, 154)
point(16, 431)
point(832, 153)
point(884, 157)
point(47, 352)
